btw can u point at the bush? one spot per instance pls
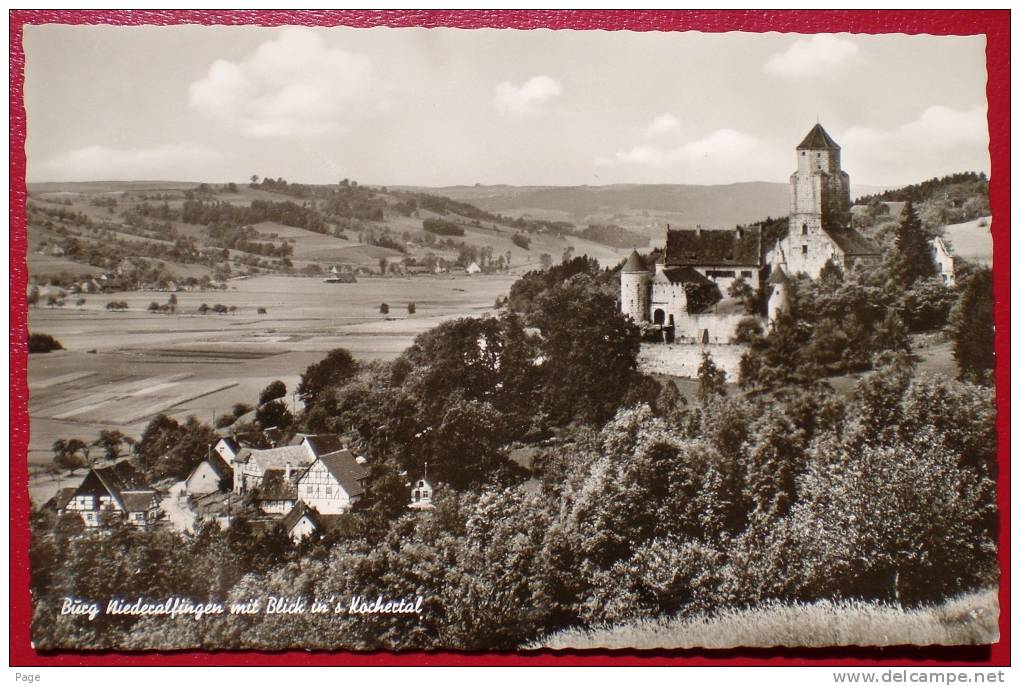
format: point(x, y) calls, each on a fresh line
point(411, 308)
point(43, 343)
point(521, 240)
point(384, 309)
point(442, 227)
point(273, 391)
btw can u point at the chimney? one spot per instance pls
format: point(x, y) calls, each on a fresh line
point(698, 231)
point(287, 472)
point(740, 232)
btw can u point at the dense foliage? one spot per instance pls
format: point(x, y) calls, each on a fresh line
point(43, 343)
point(794, 496)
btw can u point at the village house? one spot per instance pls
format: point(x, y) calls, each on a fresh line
point(319, 444)
point(117, 489)
point(227, 448)
point(212, 474)
point(421, 495)
point(304, 520)
point(333, 483)
point(277, 492)
point(251, 464)
point(944, 261)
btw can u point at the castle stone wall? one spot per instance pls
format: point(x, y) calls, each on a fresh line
point(721, 327)
point(683, 360)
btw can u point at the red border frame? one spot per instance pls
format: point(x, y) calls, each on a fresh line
point(994, 24)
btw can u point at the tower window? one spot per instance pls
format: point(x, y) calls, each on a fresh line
point(803, 229)
point(803, 250)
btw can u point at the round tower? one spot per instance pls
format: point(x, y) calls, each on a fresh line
point(779, 298)
point(635, 288)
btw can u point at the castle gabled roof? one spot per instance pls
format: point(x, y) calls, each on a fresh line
point(634, 264)
point(686, 275)
point(716, 248)
point(818, 139)
point(851, 242)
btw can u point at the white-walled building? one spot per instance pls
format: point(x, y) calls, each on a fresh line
point(333, 483)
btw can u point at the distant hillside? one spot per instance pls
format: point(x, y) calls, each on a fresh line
point(724, 205)
point(955, 206)
point(961, 186)
point(152, 234)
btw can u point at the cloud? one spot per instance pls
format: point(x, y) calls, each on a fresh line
point(664, 123)
point(811, 57)
point(941, 140)
point(530, 98)
point(937, 128)
point(101, 163)
point(722, 147)
point(293, 85)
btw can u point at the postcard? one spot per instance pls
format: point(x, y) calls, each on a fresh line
point(396, 335)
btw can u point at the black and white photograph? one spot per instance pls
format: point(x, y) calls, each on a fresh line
point(499, 340)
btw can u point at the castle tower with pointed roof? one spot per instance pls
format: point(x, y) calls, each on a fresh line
point(820, 228)
point(635, 288)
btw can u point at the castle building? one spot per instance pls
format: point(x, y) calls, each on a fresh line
point(669, 291)
point(665, 290)
point(820, 229)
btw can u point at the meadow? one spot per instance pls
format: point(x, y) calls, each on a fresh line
point(970, 619)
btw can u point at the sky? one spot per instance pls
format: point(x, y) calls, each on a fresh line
point(437, 107)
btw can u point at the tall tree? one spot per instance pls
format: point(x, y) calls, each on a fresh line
point(276, 389)
point(911, 258)
point(711, 379)
point(972, 328)
point(331, 373)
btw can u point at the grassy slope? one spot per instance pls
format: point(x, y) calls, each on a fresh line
point(970, 619)
point(309, 247)
point(972, 241)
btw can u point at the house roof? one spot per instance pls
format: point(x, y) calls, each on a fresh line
point(276, 486)
point(231, 443)
point(138, 501)
point(715, 248)
point(321, 522)
point(219, 466)
point(321, 444)
point(345, 469)
point(851, 242)
point(276, 458)
point(634, 264)
point(300, 510)
point(120, 478)
point(818, 139)
point(63, 497)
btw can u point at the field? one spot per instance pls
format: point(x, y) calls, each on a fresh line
point(121, 368)
point(970, 619)
point(972, 241)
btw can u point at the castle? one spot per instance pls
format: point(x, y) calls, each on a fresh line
point(664, 291)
